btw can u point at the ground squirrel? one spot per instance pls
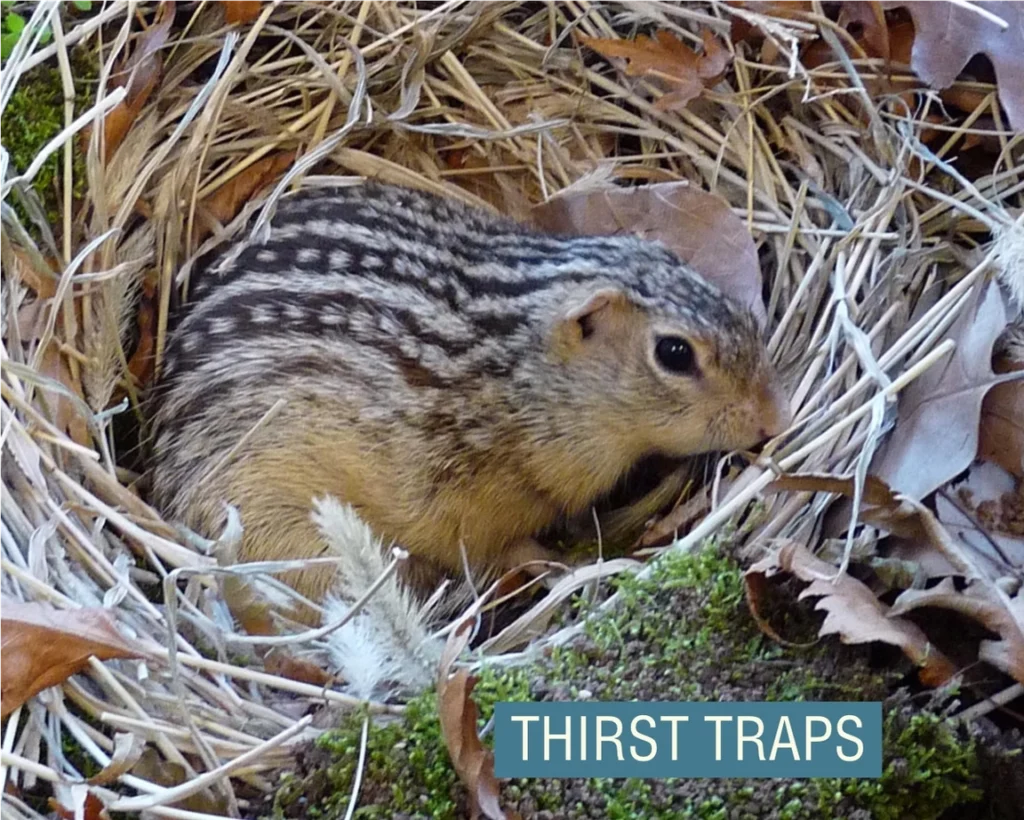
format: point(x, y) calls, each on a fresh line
point(460, 379)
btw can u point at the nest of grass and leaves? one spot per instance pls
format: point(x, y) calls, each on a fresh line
point(837, 164)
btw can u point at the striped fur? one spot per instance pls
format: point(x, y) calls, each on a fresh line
point(413, 335)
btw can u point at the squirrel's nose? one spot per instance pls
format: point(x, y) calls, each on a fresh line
point(775, 413)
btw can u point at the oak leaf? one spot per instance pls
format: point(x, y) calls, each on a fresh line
point(982, 603)
point(853, 611)
point(994, 554)
point(668, 59)
point(948, 35)
point(936, 434)
point(946, 542)
point(42, 646)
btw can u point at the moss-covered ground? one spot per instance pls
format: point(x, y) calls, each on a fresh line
point(33, 117)
point(684, 633)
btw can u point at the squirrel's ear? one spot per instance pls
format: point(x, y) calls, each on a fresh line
point(598, 314)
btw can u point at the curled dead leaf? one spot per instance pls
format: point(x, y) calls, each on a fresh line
point(226, 202)
point(141, 366)
point(879, 505)
point(668, 59)
point(128, 749)
point(984, 604)
point(895, 514)
point(42, 646)
point(473, 762)
point(1001, 433)
point(853, 611)
point(278, 661)
point(36, 272)
point(139, 75)
point(677, 520)
point(936, 434)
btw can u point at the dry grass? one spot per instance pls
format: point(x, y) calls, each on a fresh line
point(873, 240)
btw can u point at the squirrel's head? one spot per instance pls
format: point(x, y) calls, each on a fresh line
point(671, 364)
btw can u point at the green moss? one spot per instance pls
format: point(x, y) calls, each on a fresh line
point(84, 762)
point(34, 116)
point(929, 768)
point(682, 633)
point(407, 766)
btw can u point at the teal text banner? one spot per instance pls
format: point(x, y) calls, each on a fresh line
point(595, 739)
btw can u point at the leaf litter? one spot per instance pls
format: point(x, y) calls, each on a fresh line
point(853, 611)
point(985, 597)
point(473, 762)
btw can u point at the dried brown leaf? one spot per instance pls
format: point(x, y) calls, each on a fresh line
point(226, 202)
point(880, 506)
point(677, 520)
point(755, 586)
point(92, 808)
point(241, 11)
point(473, 762)
point(1001, 433)
point(870, 18)
point(876, 493)
point(670, 60)
point(153, 767)
point(697, 225)
point(67, 414)
point(866, 24)
point(853, 611)
point(980, 602)
point(741, 30)
point(42, 646)
point(60, 386)
point(948, 36)
point(924, 539)
point(139, 75)
point(280, 662)
point(993, 554)
point(141, 365)
point(865, 21)
point(936, 435)
point(250, 605)
point(128, 749)
point(41, 280)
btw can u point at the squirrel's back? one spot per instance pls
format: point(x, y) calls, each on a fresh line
point(459, 379)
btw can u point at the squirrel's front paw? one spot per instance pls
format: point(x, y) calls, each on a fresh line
point(530, 557)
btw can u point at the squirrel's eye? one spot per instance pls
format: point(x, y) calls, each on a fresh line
point(676, 355)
